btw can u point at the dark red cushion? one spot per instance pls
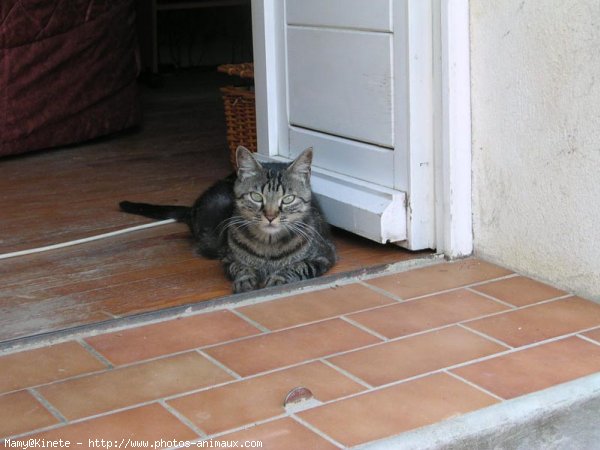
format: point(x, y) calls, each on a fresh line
point(68, 71)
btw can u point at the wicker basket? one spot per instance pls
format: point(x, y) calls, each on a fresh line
point(240, 112)
point(240, 116)
point(245, 70)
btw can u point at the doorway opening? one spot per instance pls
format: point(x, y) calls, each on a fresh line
point(72, 192)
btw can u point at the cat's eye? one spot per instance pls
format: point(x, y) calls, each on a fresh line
point(255, 196)
point(288, 199)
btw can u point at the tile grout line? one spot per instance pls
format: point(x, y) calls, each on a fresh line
point(316, 431)
point(466, 287)
point(246, 426)
point(49, 406)
point(325, 319)
point(258, 335)
point(115, 368)
point(474, 385)
point(220, 365)
point(208, 388)
point(497, 300)
point(74, 377)
point(321, 320)
point(553, 339)
point(511, 311)
point(491, 280)
point(95, 353)
point(346, 374)
point(485, 336)
point(400, 338)
point(252, 322)
point(381, 291)
point(530, 345)
point(364, 328)
point(443, 291)
point(585, 338)
point(243, 338)
point(89, 418)
point(85, 419)
point(188, 423)
point(181, 352)
point(549, 300)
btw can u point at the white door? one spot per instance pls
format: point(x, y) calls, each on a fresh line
point(354, 80)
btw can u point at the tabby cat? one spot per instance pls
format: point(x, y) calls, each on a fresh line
point(262, 222)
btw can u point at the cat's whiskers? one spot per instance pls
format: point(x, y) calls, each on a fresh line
point(306, 231)
point(237, 222)
point(309, 230)
point(290, 226)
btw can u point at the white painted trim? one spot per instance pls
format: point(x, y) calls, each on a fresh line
point(377, 213)
point(454, 234)
point(414, 159)
point(364, 161)
point(266, 82)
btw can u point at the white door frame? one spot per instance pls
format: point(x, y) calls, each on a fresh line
point(451, 113)
point(454, 221)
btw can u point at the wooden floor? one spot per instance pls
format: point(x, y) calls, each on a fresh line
point(61, 195)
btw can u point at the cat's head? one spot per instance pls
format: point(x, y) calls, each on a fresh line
point(274, 197)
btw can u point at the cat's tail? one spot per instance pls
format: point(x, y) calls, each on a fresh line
point(162, 212)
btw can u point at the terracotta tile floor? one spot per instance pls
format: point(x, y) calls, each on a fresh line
point(382, 355)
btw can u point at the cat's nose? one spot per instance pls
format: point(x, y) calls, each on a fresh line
point(271, 216)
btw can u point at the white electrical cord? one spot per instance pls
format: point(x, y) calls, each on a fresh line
point(87, 239)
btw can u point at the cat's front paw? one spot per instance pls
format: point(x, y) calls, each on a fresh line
point(244, 285)
point(275, 280)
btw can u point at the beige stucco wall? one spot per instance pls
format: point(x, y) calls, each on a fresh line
point(535, 72)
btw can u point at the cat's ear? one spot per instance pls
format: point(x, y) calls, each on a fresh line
point(247, 165)
point(301, 165)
